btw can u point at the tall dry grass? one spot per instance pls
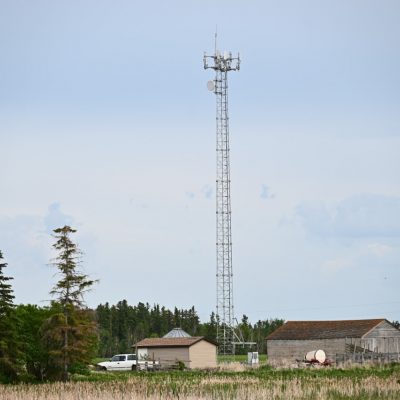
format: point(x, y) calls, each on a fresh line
point(217, 387)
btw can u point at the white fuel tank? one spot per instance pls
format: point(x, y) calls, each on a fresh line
point(316, 355)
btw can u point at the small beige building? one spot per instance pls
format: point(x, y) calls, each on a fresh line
point(194, 352)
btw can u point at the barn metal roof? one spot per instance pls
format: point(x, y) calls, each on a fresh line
point(176, 332)
point(171, 342)
point(308, 330)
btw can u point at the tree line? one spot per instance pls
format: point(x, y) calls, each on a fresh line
point(121, 326)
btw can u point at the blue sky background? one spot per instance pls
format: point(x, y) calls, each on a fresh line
point(106, 124)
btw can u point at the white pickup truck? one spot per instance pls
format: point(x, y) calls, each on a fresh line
point(119, 362)
point(126, 362)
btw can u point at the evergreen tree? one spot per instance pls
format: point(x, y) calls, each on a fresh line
point(209, 329)
point(31, 318)
point(104, 321)
point(246, 329)
point(9, 346)
point(70, 333)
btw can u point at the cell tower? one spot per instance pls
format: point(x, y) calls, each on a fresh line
point(226, 334)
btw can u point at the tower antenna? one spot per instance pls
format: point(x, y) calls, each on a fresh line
point(227, 335)
point(215, 39)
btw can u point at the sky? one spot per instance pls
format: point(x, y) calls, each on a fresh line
point(106, 124)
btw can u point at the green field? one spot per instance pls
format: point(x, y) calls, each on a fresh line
point(239, 358)
point(366, 383)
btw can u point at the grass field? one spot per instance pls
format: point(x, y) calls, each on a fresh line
point(239, 358)
point(365, 383)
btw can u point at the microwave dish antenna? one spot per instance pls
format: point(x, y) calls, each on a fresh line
point(211, 86)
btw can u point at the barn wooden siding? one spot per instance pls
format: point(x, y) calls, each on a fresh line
point(295, 338)
point(384, 338)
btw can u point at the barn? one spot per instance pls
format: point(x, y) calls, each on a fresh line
point(294, 339)
point(193, 351)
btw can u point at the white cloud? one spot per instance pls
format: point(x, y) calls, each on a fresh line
point(26, 244)
point(357, 216)
point(55, 218)
point(379, 249)
point(337, 264)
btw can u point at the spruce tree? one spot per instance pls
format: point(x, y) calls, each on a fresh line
point(70, 333)
point(9, 346)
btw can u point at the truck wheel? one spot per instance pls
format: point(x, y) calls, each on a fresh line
point(133, 367)
point(104, 369)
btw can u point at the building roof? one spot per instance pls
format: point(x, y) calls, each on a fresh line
point(176, 332)
point(307, 330)
point(172, 342)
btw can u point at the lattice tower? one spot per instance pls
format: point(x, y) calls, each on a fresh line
point(226, 335)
